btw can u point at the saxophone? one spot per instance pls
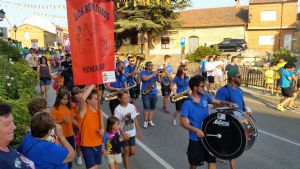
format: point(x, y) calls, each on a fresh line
point(149, 88)
point(114, 95)
point(180, 96)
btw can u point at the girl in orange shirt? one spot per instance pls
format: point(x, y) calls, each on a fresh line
point(90, 129)
point(63, 114)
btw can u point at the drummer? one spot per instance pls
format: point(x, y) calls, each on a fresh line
point(194, 110)
point(231, 92)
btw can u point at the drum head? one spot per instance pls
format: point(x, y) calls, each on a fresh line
point(232, 141)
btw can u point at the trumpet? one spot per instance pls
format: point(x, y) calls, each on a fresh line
point(180, 96)
point(114, 95)
point(165, 77)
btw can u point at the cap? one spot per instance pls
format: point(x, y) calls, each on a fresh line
point(232, 73)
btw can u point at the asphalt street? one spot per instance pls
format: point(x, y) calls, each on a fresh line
point(164, 146)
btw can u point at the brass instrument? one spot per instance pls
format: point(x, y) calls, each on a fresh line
point(149, 88)
point(136, 76)
point(165, 79)
point(114, 95)
point(180, 96)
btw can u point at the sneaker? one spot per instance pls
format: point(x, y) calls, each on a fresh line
point(79, 161)
point(280, 107)
point(174, 123)
point(151, 123)
point(145, 124)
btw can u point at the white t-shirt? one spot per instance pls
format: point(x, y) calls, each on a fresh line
point(210, 68)
point(126, 116)
point(219, 69)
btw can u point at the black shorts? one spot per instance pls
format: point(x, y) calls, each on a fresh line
point(178, 104)
point(211, 79)
point(135, 92)
point(129, 142)
point(112, 105)
point(165, 90)
point(204, 74)
point(287, 92)
point(197, 154)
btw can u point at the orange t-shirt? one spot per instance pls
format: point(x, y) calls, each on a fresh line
point(75, 115)
point(59, 114)
point(89, 126)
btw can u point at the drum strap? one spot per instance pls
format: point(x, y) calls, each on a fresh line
point(229, 95)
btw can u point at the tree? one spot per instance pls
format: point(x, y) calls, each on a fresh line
point(202, 51)
point(147, 19)
point(283, 53)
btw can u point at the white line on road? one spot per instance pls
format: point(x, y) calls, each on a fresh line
point(280, 138)
point(149, 151)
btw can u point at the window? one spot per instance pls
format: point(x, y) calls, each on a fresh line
point(268, 16)
point(165, 42)
point(266, 40)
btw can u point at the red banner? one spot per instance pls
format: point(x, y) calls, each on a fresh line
point(91, 29)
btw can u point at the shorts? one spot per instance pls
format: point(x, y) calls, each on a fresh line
point(149, 101)
point(129, 142)
point(197, 154)
point(113, 104)
point(178, 104)
point(114, 158)
point(211, 79)
point(204, 74)
point(92, 155)
point(135, 92)
point(165, 90)
point(45, 82)
point(287, 92)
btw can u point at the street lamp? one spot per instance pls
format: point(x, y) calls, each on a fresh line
point(15, 30)
point(2, 15)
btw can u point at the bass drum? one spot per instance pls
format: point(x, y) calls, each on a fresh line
point(228, 133)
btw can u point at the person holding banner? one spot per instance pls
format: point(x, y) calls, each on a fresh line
point(130, 70)
point(90, 129)
point(121, 83)
point(149, 94)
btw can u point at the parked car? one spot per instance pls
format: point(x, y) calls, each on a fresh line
point(238, 45)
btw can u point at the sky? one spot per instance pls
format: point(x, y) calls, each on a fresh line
point(54, 10)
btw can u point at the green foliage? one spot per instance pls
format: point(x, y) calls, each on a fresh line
point(17, 82)
point(283, 53)
point(202, 51)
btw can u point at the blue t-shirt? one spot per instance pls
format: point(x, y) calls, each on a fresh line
point(284, 82)
point(169, 69)
point(14, 160)
point(148, 82)
point(181, 83)
point(120, 79)
point(203, 63)
point(44, 154)
point(129, 69)
point(196, 113)
point(298, 71)
point(227, 93)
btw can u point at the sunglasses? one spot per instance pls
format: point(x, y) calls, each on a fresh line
point(201, 86)
point(238, 77)
point(184, 69)
point(131, 61)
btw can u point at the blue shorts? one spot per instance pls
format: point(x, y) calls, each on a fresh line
point(45, 82)
point(92, 155)
point(149, 102)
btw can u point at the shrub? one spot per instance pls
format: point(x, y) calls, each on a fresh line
point(283, 53)
point(17, 87)
point(202, 51)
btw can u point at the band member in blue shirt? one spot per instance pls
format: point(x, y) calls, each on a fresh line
point(194, 110)
point(149, 78)
point(130, 70)
point(121, 83)
point(166, 82)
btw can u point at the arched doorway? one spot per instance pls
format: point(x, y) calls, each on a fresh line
point(193, 44)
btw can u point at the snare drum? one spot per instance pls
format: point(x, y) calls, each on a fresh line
point(228, 133)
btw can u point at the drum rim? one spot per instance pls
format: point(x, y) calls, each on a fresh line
point(242, 137)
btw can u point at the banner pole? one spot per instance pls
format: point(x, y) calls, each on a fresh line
point(99, 108)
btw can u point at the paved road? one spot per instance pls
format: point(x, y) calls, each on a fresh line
point(277, 146)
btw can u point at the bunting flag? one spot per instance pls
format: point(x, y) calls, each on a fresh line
point(91, 32)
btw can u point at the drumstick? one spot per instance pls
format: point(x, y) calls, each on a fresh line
point(214, 135)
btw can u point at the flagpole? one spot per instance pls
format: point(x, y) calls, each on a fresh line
point(99, 108)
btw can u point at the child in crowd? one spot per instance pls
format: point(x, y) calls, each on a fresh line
point(63, 114)
point(127, 114)
point(269, 79)
point(113, 150)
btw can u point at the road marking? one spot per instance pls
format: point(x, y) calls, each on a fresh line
point(279, 138)
point(149, 151)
